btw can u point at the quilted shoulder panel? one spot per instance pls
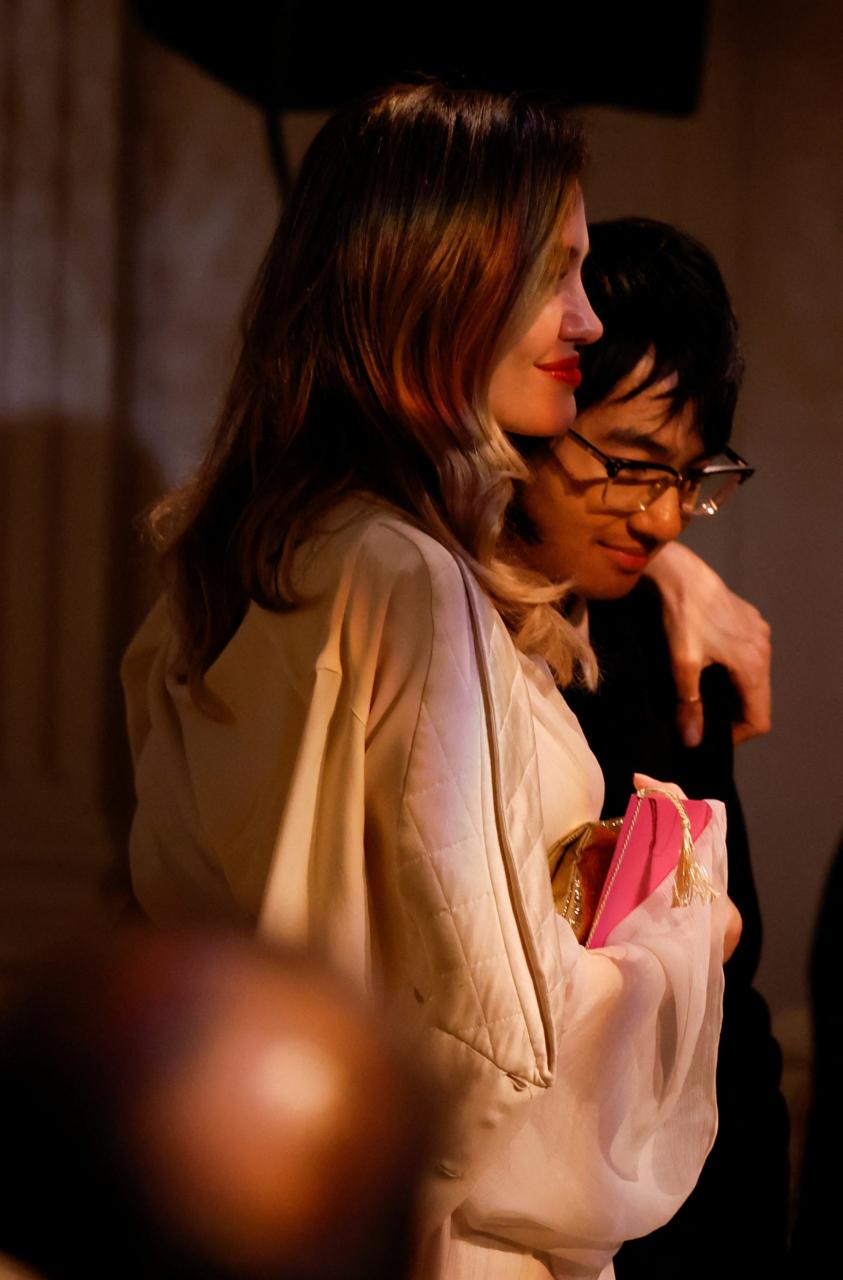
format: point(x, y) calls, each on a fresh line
point(519, 788)
point(472, 865)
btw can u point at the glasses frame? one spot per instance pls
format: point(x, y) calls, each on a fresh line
point(736, 466)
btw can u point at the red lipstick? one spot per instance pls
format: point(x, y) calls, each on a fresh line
point(567, 371)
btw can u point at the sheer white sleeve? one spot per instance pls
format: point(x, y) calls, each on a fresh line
point(612, 1149)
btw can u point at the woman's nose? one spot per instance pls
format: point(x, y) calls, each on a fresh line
point(580, 322)
point(663, 519)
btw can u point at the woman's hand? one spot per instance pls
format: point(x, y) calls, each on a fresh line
point(640, 780)
point(734, 928)
point(705, 623)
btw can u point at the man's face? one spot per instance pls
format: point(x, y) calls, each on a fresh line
point(603, 551)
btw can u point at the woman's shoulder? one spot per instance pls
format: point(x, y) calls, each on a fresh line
point(373, 590)
point(379, 529)
point(377, 546)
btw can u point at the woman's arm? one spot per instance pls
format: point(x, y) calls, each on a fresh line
point(612, 1149)
point(457, 916)
point(460, 888)
point(617, 1092)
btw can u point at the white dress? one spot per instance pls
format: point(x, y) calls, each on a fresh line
point(349, 799)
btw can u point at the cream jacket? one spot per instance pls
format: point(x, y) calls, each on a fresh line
point(375, 792)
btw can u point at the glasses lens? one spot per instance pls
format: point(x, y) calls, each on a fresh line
point(706, 497)
point(634, 490)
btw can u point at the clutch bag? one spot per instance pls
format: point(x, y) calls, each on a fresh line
point(602, 871)
point(579, 865)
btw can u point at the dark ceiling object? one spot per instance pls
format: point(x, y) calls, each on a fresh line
point(315, 55)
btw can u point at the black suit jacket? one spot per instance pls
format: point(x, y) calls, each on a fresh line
point(735, 1221)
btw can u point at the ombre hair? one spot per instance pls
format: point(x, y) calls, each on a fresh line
point(423, 233)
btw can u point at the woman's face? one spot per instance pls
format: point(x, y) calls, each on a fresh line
point(531, 390)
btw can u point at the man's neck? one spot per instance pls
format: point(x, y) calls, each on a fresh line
point(576, 611)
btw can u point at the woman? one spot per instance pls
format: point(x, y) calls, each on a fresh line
point(336, 726)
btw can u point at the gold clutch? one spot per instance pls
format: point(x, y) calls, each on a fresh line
point(579, 864)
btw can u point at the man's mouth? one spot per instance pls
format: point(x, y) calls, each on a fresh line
point(629, 557)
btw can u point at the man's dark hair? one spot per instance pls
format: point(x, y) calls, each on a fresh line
point(658, 289)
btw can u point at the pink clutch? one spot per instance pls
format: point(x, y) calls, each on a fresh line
point(657, 837)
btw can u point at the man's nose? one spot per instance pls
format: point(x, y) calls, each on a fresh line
point(663, 520)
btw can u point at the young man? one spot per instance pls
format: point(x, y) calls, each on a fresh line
point(649, 452)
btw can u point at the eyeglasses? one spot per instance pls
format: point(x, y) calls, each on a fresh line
point(633, 485)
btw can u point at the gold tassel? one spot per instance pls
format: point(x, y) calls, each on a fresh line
point(692, 880)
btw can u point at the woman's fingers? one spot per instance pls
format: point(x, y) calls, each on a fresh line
point(734, 928)
point(640, 780)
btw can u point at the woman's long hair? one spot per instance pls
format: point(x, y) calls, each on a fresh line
point(424, 230)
